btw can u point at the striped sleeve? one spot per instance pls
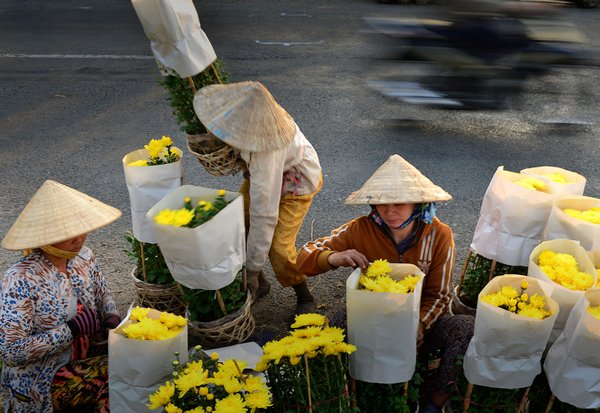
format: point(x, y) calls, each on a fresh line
point(312, 256)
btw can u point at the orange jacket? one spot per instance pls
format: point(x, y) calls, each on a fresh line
point(433, 253)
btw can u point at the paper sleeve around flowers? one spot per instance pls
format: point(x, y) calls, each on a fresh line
point(146, 186)
point(575, 184)
point(506, 348)
point(209, 256)
point(383, 327)
point(562, 226)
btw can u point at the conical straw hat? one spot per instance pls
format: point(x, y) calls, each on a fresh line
point(57, 213)
point(397, 182)
point(244, 115)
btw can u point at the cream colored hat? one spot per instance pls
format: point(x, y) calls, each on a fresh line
point(57, 213)
point(244, 115)
point(397, 182)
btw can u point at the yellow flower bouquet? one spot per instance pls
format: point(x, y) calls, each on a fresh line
point(383, 320)
point(567, 266)
point(207, 384)
point(577, 218)
point(139, 354)
point(147, 186)
point(201, 234)
point(306, 370)
point(572, 364)
point(515, 315)
point(559, 181)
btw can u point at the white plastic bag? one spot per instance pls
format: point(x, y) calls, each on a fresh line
point(575, 184)
point(146, 186)
point(563, 226)
point(511, 220)
point(178, 42)
point(137, 368)
point(572, 365)
point(506, 349)
point(383, 327)
point(209, 256)
point(565, 297)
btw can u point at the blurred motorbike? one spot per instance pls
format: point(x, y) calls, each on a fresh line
point(480, 59)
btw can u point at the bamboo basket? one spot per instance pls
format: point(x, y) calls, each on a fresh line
point(218, 158)
point(232, 329)
point(160, 297)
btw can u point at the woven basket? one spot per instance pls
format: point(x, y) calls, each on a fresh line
point(218, 158)
point(160, 297)
point(458, 307)
point(232, 329)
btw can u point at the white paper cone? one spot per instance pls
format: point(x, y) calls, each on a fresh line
point(563, 226)
point(572, 365)
point(209, 256)
point(178, 43)
point(565, 297)
point(383, 327)
point(511, 220)
point(136, 368)
point(506, 348)
point(575, 183)
point(146, 186)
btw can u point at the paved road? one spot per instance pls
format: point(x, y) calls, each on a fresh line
point(78, 91)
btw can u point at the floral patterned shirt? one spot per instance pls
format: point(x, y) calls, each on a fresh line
point(34, 303)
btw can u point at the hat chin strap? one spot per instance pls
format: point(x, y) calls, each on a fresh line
point(57, 252)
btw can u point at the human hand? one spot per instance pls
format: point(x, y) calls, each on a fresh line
point(85, 322)
point(348, 258)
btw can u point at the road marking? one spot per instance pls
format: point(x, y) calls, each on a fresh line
point(282, 14)
point(290, 43)
point(76, 56)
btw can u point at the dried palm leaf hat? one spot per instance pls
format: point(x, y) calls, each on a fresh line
point(244, 115)
point(397, 182)
point(57, 213)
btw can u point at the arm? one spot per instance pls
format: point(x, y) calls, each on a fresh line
point(435, 297)
point(20, 344)
point(266, 175)
point(327, 253)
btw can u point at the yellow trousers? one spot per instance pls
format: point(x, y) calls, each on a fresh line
point(283, 254)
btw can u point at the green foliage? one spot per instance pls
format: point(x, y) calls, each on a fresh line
point(203, 305)
point(478, 274)
point(205, 211)
point(181, 95)
point(540, 394)
point(157, 271)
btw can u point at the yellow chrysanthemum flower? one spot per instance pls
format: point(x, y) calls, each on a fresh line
point(172, 320)
point(141, 162)
point(154, 148)
point(563, 269)
point(166, 141)
point(594, 311)
point(165, 217)
point(214, 356)
point(532, 183)
point(310, 319)
point(198, 409)
point(379, 267)
point(162, 396)
point(257, 400)
point(556, 177)
point(221, 192)
point(171, 408)
point(233, 403)
point(591, 215)
point(137, 313)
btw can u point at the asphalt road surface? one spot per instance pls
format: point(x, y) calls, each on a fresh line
point(78, 91)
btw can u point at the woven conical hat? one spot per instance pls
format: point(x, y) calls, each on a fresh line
point(57, 213)
point(244, 115)
point(397, 182)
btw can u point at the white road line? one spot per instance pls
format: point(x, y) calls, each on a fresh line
point(290, 43)
point(282, 15)
point(75, 56)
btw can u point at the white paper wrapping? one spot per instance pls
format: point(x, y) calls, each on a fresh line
point(561, 225)
point(136, 368)
point(178, 43)
point(146, 186)
point(383, 327)
point(209, 256)
point(575, 183)
point(511, 220)
point(572, 365)
point(565, 297)
point(506, 348)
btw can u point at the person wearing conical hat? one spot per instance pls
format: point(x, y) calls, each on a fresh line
point(402, 227)
point(55, 306)
point(282, 176)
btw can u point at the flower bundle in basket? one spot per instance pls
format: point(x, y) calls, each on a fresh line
point(383, 321)
point(139, 350)
point(150, 174)
point(211, 385)
point(306, 370)
point(201, 234)
point(515, 315)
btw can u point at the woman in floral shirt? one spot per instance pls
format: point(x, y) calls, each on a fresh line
point(54, 304)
